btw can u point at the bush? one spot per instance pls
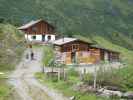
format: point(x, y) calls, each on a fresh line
point(73, 72)
point(105, 78)
point(108, 77)
point(126, 74)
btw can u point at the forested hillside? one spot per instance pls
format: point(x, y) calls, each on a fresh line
point(11, 46)
point(111, 19)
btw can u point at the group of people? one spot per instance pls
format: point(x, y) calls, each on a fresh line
point(31, 54)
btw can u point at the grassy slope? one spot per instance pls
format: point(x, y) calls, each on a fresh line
point(11, 48)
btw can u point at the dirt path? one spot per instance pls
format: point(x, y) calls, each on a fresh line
point(26, 85)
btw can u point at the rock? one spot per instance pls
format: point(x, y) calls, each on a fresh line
point(128, 95)
point(72, 98)
point(108, 93)
point(113, 88)
point(100, 90)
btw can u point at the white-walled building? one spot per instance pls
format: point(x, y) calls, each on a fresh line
point(38, 31)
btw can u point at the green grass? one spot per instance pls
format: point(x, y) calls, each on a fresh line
point(5, 89)
point(127, 77)
point(66, 87)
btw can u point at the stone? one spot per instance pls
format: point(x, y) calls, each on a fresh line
point(128, 95)
point(113, 88)
point(72, 98)
point(108, 93)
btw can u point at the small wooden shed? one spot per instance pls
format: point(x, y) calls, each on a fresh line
point(72, 50)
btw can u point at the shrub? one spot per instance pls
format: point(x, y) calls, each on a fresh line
point(73, 72)
point(105, 78)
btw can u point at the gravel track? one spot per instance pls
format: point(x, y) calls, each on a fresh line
point(27, 86)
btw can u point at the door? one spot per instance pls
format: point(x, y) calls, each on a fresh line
point(75, 48)
point(73, 57)
point(43, 38)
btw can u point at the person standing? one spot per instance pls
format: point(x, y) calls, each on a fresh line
point(31, 52)
point(32, 55)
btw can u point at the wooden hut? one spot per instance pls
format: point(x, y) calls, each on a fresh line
point(72, 50)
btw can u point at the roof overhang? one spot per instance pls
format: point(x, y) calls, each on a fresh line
point(32, 23)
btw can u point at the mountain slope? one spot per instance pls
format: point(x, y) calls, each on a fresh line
point(111, 19)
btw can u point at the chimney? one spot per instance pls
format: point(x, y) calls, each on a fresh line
point(63, 39)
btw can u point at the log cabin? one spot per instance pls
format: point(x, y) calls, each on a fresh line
point(38, 31)
point(72, 50)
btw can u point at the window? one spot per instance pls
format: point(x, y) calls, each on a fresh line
point(49, 38)
point(33, 37)
point(75, 47)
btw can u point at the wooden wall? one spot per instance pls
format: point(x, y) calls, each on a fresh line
point(95, 54)
point(85, 57)
point(40, 28)
point(70, 46)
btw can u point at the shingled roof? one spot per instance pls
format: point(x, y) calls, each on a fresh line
point(31, 23)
